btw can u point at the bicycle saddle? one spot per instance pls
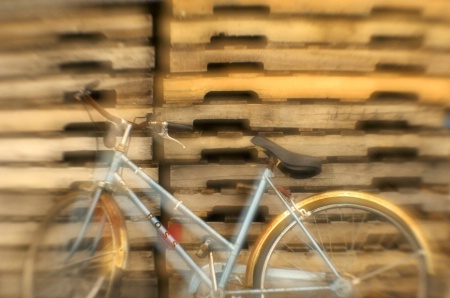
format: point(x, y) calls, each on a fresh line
point(298, 166)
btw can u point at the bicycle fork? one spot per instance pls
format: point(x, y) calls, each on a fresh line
point(86, 223)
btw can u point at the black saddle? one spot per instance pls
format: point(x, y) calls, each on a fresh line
point(298, 166)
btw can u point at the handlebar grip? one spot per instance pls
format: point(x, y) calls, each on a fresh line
point(180, 127)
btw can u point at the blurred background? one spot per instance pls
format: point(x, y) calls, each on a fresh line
point(365, 85)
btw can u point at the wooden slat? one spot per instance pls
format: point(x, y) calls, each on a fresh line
point(60, 177)
point(20, 9)
point(49, 30)
point(49, 119)
point(324, 145)
point(39, 62)
point(305, 31)
point(203, 204)
point(337, 175)
point(20, 234)
point(29, 206)
point(428, 9)
point(53, 149)
point(305, 116)
point(313, 59)
point(191, 89)
point(51, 90)
point(336, 233)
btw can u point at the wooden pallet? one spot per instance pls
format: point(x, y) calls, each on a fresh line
point(303, 31)
point(341, 146)
point(304, 115)
point(346, 81)
point(125, 90)
point(72, 26)
point(57, 61)
point(48, 139)
point(347, 88)
point(359, 60)
point(422, 8)
point(57, 119)
point(60, 148)
point(334, 175)
point(209, 203)
point(60, 176)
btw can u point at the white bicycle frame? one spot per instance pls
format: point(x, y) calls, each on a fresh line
point(114, 178)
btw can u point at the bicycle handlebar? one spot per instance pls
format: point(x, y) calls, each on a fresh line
point(179, 127)
point(85, 95)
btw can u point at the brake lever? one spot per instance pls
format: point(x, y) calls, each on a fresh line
point(165, 134)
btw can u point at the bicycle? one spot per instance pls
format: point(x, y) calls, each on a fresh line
point(333, 244)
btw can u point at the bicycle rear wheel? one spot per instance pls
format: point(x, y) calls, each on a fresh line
point(376, 248)
point(94, 266)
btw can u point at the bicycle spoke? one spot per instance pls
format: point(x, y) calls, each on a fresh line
point(386, 268)
point(363, 244)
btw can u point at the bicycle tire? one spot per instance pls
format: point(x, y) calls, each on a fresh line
point(96, 266)
point(376, 247)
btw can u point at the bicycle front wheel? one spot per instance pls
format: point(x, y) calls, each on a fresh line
point(374, 248)
point(57, 266)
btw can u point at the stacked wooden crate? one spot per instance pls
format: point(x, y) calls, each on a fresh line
point(48, 141)
point(363, 85)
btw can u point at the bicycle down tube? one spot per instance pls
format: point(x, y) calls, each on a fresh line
point(234, 248)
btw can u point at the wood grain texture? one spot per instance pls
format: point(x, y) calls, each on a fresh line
point(358, 145)
point(53, 61)
point(333, 174)
point(301, 31)
point(50, 30)
point(53, 149)
point(347, 88)
point(313, 59)
point(306, 116)
point(60, 176)
point(51, 90)
point(57, 118)
point(427, 9)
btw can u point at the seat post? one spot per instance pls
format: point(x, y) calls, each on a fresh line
point(273, 161)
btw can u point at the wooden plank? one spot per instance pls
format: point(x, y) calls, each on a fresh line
point(336, 234)
point(203, 204)
point(347, 88)
point(314, 59)
point(22, 9)
point(48, 119)
point(39, 62)
point(54, 28)
point(333, 174)
point(302, 31)
point(61, 177)
point(305, 116)
point(20, 234)
point(429, 9)
point(358, 145)
point(30, 206)
point(33, 149)
point(50, 90)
